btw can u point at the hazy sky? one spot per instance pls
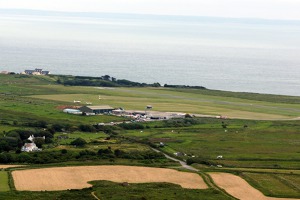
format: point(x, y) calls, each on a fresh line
point(269, 9)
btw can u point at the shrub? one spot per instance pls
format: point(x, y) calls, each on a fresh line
point(79, 142)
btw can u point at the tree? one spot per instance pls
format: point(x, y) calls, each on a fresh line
point(4, 146)
point(64, 151)
point(39, 142)
point(79, 142)
point(106, 77)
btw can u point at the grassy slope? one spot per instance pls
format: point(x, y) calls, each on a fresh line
point(235, 105)
point(261, 145)
point(178, 101)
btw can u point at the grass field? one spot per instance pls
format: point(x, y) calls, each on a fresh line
point(4, 181)
point(180, 101)
point(106, 190)
point(280, 185)
point(239, 188)
point(155, 191)
point(88, 137)
point(266, 153)
point(261, 145)
point(40, 97)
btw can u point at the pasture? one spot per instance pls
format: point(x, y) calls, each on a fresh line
point(261, 145)
point(265, 153)
point(272, 184)
point(163, 99)
point(106, 190)
point(4, 181)
point(88, 137)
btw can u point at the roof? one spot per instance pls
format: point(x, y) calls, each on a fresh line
point(28, 145)
point(102, 107)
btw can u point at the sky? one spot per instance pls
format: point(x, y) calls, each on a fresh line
point(265, 9)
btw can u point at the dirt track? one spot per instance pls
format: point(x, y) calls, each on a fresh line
point(63, 178)
point(9, 166)
point(239, 188)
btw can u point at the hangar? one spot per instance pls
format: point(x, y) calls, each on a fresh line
point(96, 109)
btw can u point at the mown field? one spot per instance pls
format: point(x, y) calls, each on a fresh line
point(179, 101)
point(262, 146)
point(4, 181)
point(40, 96)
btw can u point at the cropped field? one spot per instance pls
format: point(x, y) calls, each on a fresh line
point(281, 185)
point(77, 177)
point(239, 188)
point(4, 181)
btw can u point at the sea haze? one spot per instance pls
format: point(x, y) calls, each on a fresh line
point(249, 55)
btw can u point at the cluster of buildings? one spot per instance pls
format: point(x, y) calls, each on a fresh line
point(5, 72)
point(134, 114)
point(35, 71)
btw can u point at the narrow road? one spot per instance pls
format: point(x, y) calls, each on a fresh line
point(93, 194)
point(183, 164)
point(205, 176)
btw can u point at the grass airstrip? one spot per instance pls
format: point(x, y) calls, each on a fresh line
point(260, 142)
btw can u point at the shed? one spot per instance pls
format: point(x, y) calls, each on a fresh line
point(97, 109)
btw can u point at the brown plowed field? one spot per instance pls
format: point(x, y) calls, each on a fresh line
point(63, 178)
point(239, 188)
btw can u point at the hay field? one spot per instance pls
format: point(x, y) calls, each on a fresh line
point(63, 178)
point(239, 188)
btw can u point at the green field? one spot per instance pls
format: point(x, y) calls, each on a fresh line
point(40, 96)
point(262, 145)
point(106, 190)
point(179, 101)
point(280, 185)
point(4, 181)
point(89, 137)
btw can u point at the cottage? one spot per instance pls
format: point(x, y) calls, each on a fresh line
point(36, 71)
point(96, 109)
point(28, 147)
point(32, 138)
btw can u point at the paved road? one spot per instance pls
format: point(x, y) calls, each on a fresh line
point(204, 175)
point(183, 164)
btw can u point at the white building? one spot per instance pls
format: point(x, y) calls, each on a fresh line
point(28, 147)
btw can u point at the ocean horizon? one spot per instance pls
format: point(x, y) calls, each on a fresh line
point(243, 55)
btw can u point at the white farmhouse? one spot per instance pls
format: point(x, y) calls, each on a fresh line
point(28, 147)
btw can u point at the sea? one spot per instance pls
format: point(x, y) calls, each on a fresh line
point(245, 55)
